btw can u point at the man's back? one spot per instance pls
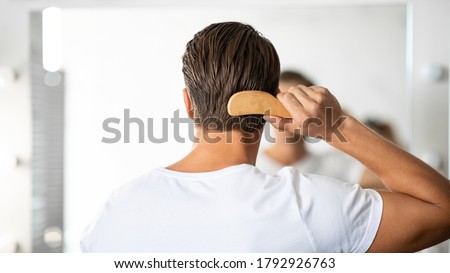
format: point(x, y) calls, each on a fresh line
point(236, 209)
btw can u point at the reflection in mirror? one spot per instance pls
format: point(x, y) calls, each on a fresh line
point(123, 64)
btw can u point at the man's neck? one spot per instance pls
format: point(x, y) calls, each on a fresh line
point(218, 150)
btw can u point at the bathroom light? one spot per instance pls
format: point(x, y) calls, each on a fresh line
point(7, 162)
point(433, 72)
point(7, 76)
point(51, 39)
point(8, 244)
point(53, 236)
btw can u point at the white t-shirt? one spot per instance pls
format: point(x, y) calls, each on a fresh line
point(334, 164)
point(236, 209)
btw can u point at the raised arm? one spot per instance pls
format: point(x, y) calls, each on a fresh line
point(416, 212)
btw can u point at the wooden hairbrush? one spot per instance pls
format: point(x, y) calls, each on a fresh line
point(253, 102)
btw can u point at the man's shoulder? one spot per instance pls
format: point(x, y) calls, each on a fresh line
point(314, 185)
point(138, 183)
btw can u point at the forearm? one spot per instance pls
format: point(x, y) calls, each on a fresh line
point(400, 171)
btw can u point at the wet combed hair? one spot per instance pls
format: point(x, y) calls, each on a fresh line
point(295, 77)
point(221, 60)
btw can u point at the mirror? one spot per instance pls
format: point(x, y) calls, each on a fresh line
point(122, 68)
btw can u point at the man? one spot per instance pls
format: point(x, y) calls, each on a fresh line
point(215, 200)
point(290, 149)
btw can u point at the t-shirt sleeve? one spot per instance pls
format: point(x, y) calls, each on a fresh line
point(86, 237)
point(93, 232)
point(339, 217)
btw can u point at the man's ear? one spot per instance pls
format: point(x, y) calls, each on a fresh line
point(188, 103)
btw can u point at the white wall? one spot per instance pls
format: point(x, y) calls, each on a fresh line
point(15, 128)
point(430, 99)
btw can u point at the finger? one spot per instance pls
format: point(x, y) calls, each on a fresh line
point(293, 106)
point(320, 89)
point(312, 92)
point(310, 104)
point(301, 96)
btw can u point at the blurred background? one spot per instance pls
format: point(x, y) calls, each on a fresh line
point(66, 67)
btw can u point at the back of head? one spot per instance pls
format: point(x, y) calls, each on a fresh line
point(221, 60)
point(295, 78)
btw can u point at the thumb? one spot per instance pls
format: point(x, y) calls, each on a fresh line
point(279, 123)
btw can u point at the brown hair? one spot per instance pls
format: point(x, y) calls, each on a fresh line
point(221, 60)
point(295, 77)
